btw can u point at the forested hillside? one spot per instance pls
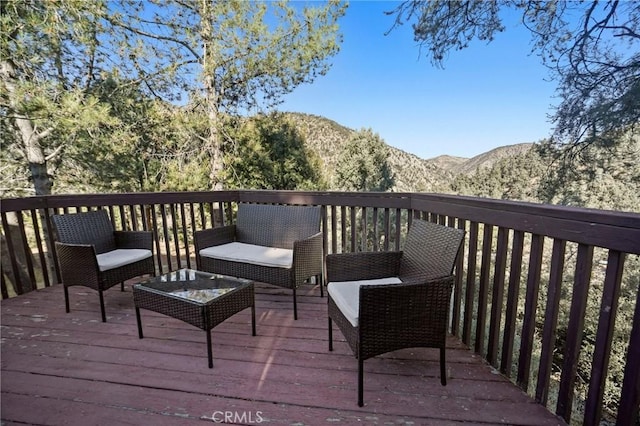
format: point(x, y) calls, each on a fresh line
point(326, 138)
point(412, 173)
point(487, 159)
point(598, 176)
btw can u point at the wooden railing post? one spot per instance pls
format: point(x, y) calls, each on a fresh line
point(628, 411)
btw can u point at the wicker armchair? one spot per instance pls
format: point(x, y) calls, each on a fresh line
point(91, 254)
point(385, 301)
point(274, 244)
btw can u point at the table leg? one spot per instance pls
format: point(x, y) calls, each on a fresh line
point(209, 351)
point(139, 323)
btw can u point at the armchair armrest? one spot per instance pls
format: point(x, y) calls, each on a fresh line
point(134, 239)
point(214, 237)
point(78, 264)
point(307, 257)
point(406, 310)
point(362, 266)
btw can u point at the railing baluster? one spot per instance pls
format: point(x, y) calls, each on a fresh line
point(334, 230)
point(387, 229)
point(134, 217)
point(497, 297)
point(41, 252)
point(574, 331)
point(167, 238)
point(483, 287)
point(629, 408)
point(154, 221)
point(551, 320)
point(364, 220)
point(325, 244)
point(223, 217)
point(531, 302)
point(185, 235)
point(174, 230)
point(604, 336)
point(376, 231)
point(513, 295)
point(212, 210)
point(457, 289)
point(471, 283)
point(398, 228)
point(343, 228)
point(354, 229)
point(123, 218)
point(50, 237)
point(194, 228)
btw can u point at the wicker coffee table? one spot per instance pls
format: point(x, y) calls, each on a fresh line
point(197, 298)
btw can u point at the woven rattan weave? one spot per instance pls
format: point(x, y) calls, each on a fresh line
point(291, 227)
point(197, 298)
point(396, 316)
point(82, 236)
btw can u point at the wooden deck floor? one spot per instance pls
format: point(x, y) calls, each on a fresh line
point(72, 369)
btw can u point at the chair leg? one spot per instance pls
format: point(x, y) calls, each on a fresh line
point(330, 335)
point(443, 369)
point(360, 382)
point(139, 321)
point(104, 315)
point(122, 286)
point(66, 298)
point(321, 281)
point(295, 305)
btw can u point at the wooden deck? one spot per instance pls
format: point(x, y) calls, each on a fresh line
point(72, 369)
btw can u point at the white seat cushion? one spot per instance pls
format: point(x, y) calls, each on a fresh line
point(346, 295)
point(249, 253)
point(120, 257)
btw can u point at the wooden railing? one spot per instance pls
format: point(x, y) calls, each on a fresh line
point(537, 292)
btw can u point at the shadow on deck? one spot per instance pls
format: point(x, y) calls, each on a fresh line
point(60, 368)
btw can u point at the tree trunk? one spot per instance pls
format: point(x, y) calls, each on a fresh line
point(212, 144)
point(35, 157)
point(28, 134)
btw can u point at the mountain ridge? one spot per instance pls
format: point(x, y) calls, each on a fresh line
point(412, 173)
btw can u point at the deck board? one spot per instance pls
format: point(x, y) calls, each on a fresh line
point(60, 368)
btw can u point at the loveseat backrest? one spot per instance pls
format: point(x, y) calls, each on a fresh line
point(430, 251)
point(92, 227)
point(276, 225)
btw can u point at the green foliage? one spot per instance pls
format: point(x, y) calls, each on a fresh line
point(600, 175)
point(47, 61)
point(363, 163)
point(85, 80)
point(591, 48)
point(510, 178)
point(243, 54)
point(597, 175)
point(268, 152)
point(235, 56)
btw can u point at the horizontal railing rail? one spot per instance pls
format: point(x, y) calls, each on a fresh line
point(539, 289)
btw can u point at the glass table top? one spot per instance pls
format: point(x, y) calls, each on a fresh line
point(191, 285)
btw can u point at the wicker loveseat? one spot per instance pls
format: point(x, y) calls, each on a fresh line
point(274, 244)
point(92, 254)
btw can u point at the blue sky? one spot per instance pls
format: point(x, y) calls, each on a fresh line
point(488, 95)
